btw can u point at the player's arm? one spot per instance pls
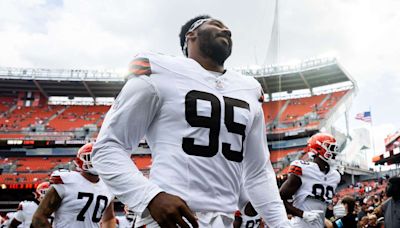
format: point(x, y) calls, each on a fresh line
point(288, 189)
point(259, 176)
point(238, 220)
point(124, 126)
point(50, 203)
point(18, 217)
point(108, 218)
point(14, 223)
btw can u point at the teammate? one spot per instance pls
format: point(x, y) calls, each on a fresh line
point(23, 216)
point(77, 199)
point(312, 184)
point(8, 219)
point(205, 127)
point(248, 219)
point(126, 221)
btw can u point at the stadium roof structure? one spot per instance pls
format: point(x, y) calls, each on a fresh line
point(56, 82)
point(392, 154)
point(308, 74)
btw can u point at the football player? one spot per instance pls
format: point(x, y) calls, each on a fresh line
point(26, 209)
point(312, 184)
point(205, 128)
point(126, 221)
point(77, 199)
point(248, 219)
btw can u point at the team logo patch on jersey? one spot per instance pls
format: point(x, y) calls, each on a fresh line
point(295, 170)
point(140, 66)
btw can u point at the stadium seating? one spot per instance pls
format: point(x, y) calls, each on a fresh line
point(76, 116)
point(22, 117)
point(282, 115)
point(333, 99)
point(293, 114)
point(276, 155)
point(23, 178)
point(30, 170)
point(271, 110)
point(34, 164)
point(6, 103)
point(297, 108)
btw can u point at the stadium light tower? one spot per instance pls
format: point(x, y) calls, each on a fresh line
point(272, 57)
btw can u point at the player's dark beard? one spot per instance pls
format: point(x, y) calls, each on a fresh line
point(213, 49)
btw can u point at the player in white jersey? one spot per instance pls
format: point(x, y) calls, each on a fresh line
point(77, 199)
point(8, 219)
point(312, 185)
point(26, 209)
point(249, 218)
point(205, 127)
point(126, 221)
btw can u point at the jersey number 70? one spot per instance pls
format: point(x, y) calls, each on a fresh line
point(95, 218)
point(213, 123)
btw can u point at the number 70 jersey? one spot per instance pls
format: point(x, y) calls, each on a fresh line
point(199, 128)
point(83, 202)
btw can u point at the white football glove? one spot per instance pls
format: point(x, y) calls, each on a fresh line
point(312, 216)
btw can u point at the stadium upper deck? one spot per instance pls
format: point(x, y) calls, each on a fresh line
point(301, 100)
point(300, 97)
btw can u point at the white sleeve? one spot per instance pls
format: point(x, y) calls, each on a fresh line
point(259, 180)
point(19, 215)
point(60, 189)
point(124, 126)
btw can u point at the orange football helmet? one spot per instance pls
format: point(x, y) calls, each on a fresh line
point(324, 145)
point(41, 190)
point(83, 160)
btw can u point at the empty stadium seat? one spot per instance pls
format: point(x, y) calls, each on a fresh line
point(77, 116)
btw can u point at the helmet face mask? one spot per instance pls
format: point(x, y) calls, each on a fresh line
point(83, 160)
point(325, 146)
point(330, 149)
point(41, 190)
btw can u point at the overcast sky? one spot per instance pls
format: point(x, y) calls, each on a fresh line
point(104, 34)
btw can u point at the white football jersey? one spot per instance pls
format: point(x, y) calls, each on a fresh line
point(83, 202)
point(249, 221)
point(316, 191)
point(206, 134)
point(24, 213)
point(124, 222)
point(9, 217)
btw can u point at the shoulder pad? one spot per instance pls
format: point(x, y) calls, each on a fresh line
point(297, 167)
point(60, 176)
point(294, 169)
point(20, 206)
point(139, 66)
point(56, 180)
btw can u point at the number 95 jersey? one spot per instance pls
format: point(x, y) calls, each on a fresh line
point(83, 202)
point(317, 188)
point(198, 128)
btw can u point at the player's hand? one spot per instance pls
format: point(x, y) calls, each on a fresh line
point(312, 216)
point(169, 210)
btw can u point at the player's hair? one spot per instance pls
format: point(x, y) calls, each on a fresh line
point(351, 202)
point(185, 28)
point(393, 188)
